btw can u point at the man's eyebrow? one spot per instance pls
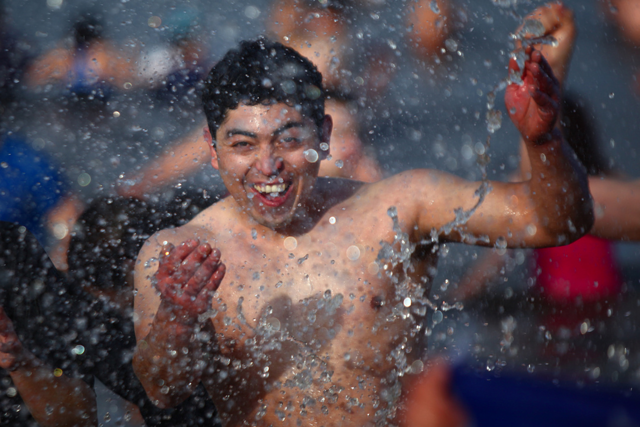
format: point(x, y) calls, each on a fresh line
point(287, 126)
point(233, 132)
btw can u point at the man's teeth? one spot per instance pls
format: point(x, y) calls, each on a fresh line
point(272, 189)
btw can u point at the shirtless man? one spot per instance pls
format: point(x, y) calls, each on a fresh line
point(297, 316)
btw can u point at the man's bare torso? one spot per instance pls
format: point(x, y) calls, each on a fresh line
point(309, 329)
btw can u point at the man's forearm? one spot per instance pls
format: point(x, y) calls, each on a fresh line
point(54, 400)
point(169, 360)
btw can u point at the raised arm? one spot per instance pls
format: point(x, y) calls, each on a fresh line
point(171, 295)
point(53, 400)
point(180, 160)
point(552, 208)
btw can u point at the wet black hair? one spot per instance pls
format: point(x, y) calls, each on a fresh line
point(577, 126)
point(109, 233)
point(262, 71)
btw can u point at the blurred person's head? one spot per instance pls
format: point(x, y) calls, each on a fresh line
point(105, 244)
point(625, 15)
point(287, 16)
point(87, 29)
point(263, 72)
point(429, 24)
point(182, 25)
point(319, 32)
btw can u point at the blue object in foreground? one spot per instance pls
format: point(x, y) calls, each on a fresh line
point(511, 400)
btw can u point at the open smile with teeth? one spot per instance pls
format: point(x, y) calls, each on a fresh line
point(271, 190)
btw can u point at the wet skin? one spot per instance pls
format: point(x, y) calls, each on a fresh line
point(331, 357)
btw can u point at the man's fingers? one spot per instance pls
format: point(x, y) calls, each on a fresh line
point(546, 67)
point(540, 79)
point(206, 293)
point(203, 273)
point(171, 259)
point(163, 267)
point(546, 104)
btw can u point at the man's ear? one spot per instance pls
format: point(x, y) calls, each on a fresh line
point(209, 140)
point(325, 137)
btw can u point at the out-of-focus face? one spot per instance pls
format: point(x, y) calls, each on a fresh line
point(268, 157)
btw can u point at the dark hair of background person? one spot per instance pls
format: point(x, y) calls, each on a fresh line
point(577, 125)
point(262, 71)
point(102, 253)
point(47, 314)
point(87, 28)
point(109, 234)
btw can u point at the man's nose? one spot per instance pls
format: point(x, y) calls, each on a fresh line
point(268, 163)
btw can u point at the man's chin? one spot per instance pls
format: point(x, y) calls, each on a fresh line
point(274, 222)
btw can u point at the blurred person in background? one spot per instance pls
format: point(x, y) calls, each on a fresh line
point(44, 371)
point(88, 68)
point(625, 17)
point(31, 185)
point(104, 245)
point(429, 24)
point(175, 70)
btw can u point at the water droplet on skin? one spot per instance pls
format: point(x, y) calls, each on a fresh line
point(311, 155)
point(353, 253)
point(290, 243)
point(332, 220)
point(254, 234)
point(339, 164)
point(434, 7)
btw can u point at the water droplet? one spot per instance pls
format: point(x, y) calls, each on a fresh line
point(116, 114)
point(494, 120)
point(254, 234)
point(407, 302)
point(311, 155)
point(434, 7)
point(611, 95)
point(339, 163)
point(84, 179)
point(251, 12)
point(437, 317)
point(290, 243)
point(451, 45)
point(531, 28)
point(373, 268)
point(332, 220)
point(324, 146)
point(353, 253)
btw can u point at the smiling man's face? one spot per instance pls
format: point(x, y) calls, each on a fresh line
point(260, 153)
